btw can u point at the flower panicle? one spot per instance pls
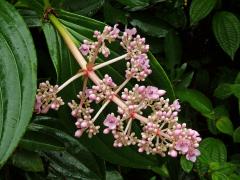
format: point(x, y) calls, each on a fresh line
point(46, 98)
point(161, 133)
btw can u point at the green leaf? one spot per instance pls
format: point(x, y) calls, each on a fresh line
point(223, 168)
point(27, 160)
point(226, 28)
point(114, 15)
point(76, 161)
point(234, 177)
point(134, 3)
point(200, 9)
point(36, 5)
point(236, 135)
point(186, 81)
point(197, 100)
point(219, 176)
point(113, 175)
point(150, 27)
point(83, 7)
point(40, 141)
point(219, 112)
point(173, 15)
point(223, 91)
point(173, 49)
point(30, 17)
point(159, 76)
point(52, 41)
point(186, 164)
point(224, 125)
point(34, 176)
point(211, 123)
point(17, 79)
point(161, 171)
point(212, 150)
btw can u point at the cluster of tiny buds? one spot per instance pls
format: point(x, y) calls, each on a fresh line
point(138, 67)
point(137, 60)
point(102, 91)
point(157, 117)
point(116, 126)
point(161, 133)
point(109, 34)
point(46, 98)
point(185, 141)
point(82, 112)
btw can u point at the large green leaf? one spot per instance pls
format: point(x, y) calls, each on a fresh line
point(83, 7)
point(113, 175)
point(212, 150)
point(186, 164)
point(225, 168)
point(173, 49)
point(200, 9)
point(224, 125)
point(82, 28)
point(150, 27)
point(134, 3)
point(197, 100)
point(114, 15)
point(36, 5)
point(40, 140)
point(28, 161)
point(17, 79)
point(226, 28)
point(223, 91)
point(76, 161)
point(30, 17)
point(52, 40)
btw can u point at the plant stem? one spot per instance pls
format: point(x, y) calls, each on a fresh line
point(109, 62)
point(94, 57)
point(83, 90)
point(128, 125)
point(69, 81)
point(46, 4)
point(67, 38)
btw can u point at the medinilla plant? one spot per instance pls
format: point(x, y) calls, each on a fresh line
point(143, 105)
point(80, 99)
point(161, 132)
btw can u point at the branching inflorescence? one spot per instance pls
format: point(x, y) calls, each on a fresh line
point(142, 106)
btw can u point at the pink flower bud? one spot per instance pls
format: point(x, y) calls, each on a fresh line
point(79, 133)
point(172, 153)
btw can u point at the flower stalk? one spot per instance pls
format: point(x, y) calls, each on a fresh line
point(76, 76)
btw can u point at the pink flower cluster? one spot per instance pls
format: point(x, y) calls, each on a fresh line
point(142, 106)
point(161, 133)
point(186, 141)
point(138, 67)
point(82, 112)
point(46, 98)
point(109, 34)
point(138, 63)
point(102, 91)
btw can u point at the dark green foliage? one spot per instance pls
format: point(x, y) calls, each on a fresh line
point(194, 57)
